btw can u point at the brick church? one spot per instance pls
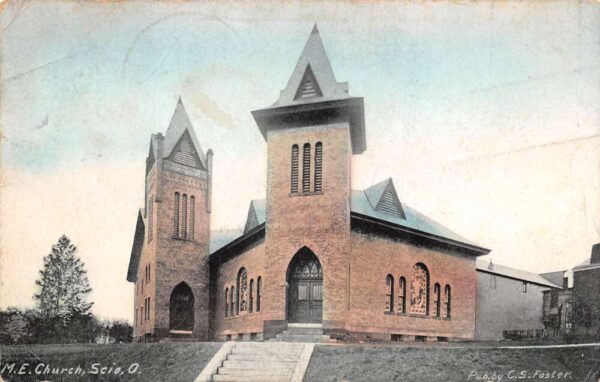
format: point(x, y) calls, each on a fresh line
point(357, 263)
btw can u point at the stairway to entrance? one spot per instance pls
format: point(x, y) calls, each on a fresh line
point(264, 361)
point(309, 333)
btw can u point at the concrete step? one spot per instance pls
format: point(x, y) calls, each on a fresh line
point(293, 353)
point(269, 347)
point(255, 372)
point(313, 338)
point(250, 378)
point(263, 357)
point(260, 365)
point(307, 325)
point(303, 331)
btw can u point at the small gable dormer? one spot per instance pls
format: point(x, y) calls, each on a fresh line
point(256, 215)
point(383, 198)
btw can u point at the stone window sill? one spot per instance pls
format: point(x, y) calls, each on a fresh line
point(306, 193)
point(182, 238)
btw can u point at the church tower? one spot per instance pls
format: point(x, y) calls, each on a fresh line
point(169, 261)
point(312, 131)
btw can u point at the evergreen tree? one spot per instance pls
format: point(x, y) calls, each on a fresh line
point(63, 285)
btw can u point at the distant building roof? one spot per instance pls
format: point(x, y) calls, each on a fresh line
point(513, 273)
point(554, 277)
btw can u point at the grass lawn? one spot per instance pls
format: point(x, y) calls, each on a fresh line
point(181, 361)
point(447, 363)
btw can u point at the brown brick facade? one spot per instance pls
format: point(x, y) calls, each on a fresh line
point(355, 250)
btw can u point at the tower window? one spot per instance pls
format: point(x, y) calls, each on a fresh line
point(184, 208)
point(306, 168)
point(192, 217)
point(294, 175)
point(226, 302)
point(150, 218)
point(176, 215)
point(318, 166)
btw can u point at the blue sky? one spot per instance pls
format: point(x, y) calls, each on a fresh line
point(485, 114)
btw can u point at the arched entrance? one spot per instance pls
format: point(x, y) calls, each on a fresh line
point(181, 308)
point(305, 288)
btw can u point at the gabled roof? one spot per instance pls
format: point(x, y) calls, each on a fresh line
point(513, 273)
point(313, 65)
point(136, 248)
point(256, 214)
point(365, 202)
point(180, 130)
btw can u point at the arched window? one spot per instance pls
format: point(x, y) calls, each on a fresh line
point(419, 297)
point(176, 215)
point(231, 300)
point(318, 166)
point(258, 292)
point(294, 186)
point(436, 300)
point(150, 218)
point(306, 168)
point(402, 295)
point(389, 294)
point(192, 217)
point(242, 291)
point(226, 302)
point(184, 208)
point(251, 297)
point(447, 300)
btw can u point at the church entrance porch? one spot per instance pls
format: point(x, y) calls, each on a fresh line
point(305, 288)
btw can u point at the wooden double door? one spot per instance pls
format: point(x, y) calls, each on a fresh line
point(305, 290)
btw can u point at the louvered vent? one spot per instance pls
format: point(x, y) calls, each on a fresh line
point(294, 176)
point(318, 166)
point(388, 204)
point(185, 153)
point(308, 86)
point(252, 220)
point(306, 168)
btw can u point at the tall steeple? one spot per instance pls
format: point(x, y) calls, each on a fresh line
point(313, 96)
point(312, 79)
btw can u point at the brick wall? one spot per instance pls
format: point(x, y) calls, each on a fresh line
point(245, 323)
point(373, 258)
point(173, 260)
point(318, 221)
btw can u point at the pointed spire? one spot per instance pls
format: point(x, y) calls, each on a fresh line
point(179, 124)
point(315, 30)
point(314, 66)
